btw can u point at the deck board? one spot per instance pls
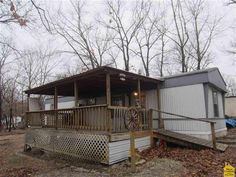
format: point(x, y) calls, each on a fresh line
point(187, 140)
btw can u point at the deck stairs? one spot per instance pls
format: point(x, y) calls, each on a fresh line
point(186, 140)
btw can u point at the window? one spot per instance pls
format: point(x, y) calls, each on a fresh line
point(52, 106)
point(215, 104)
point(117, 100)
point(91, 101)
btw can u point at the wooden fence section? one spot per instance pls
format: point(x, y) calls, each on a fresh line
point(118, 116)
point(97, 117)
point(84, 118)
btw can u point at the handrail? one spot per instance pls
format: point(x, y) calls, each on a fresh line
point(212, 123)
point(86, 118)
point(66, 109)
point(186, 117)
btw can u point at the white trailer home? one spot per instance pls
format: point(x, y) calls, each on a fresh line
point(90, 113)
point(197, 94)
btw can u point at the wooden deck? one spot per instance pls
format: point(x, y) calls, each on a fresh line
point(186, 140)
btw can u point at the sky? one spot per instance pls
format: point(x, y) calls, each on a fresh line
point(24, 38)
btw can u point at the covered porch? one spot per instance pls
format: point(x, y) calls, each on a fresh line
point(101, 100)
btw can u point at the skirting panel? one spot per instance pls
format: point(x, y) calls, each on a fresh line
point(85, 146)
point(119, 150)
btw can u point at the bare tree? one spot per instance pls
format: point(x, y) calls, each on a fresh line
point(11, 12)
point(37, 65)
point(86, 40)
point(124, 30)
point(181, 37)
point(5, 54)
point(10, 97)
point(231, 85)
point(147, 37)
point(163, 51)
point(204, 29)
point(231, 2)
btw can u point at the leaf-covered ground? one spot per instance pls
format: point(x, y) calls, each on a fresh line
point(199, 163)
point(160, 162)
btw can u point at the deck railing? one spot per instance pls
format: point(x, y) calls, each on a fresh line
point(84, 118)
point(98, 117)
point(118, 116)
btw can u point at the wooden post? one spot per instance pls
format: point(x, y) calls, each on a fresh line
point(160, 122)
point(213, 135)
point(108, 89)
point(27, 109)
point(151, 127)
point(76, 96)
point(139, 92)
point(55, 106)
point(108, 96)
point(132, 151)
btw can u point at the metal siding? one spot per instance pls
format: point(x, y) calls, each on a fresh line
point(188, 101)
point(68, 104)
point(34, 104)
point(230, 105)
point(186, 80)
point(216, 79)
point(151, 103)
point(185, 100)
point(212, 76)
point(206, 98)
point(119, 151)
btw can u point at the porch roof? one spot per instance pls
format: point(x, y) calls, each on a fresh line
point(93, 82)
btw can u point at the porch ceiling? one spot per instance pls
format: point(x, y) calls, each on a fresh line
point(93, 83)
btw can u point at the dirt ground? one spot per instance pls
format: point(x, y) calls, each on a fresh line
point(161, 162)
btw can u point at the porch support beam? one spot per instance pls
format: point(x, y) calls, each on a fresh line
point(108, 89)
point(27, 109)
point(28, 102)
point(55, 106)
point(160, 121)
point(76, 96)
point(55, 98)
point(139, 92)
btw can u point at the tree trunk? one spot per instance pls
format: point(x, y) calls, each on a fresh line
point(10, 121)
point(183, 59)
point(0, 99)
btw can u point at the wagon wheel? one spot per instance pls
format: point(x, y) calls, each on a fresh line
point(132, 119)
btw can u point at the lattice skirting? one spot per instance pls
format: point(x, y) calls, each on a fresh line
point(86, 146)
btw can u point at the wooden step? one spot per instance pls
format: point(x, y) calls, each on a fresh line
point(227, 141)
point(186, 140)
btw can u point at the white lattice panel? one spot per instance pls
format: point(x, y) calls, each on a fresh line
point(86, 146)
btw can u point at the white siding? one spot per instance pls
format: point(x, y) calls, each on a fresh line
point(151, 99)
point(230, 106)
point(119, 151)
point(185, 100)
point(188, 101)
point(151, 103)
point(62, 105)
point(34, 104)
